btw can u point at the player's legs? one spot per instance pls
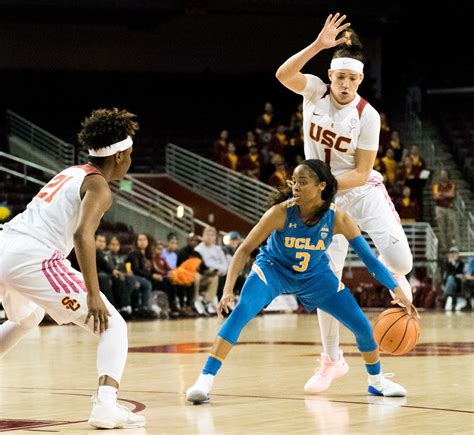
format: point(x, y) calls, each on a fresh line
point(255, 295)
point(332, 362)
point(40, 277)
point(343, 307)
point(376, 215)
point(26, 318)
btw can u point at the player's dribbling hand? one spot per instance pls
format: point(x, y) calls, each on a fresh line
point(400, 298)
point(98, 311)
point(332, 27)
point(225, 305)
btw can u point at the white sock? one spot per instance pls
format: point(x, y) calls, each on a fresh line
point(375, 379)
point(107, 394)
point(329, 334)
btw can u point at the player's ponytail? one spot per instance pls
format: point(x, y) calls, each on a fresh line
point(323, 174)
point(351, 48)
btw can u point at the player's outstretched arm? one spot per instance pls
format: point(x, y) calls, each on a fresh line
point(96, 200)
point(273, 219)
point(289, 74)
point(344, 225)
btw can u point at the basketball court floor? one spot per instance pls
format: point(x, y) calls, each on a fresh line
point(46, 382)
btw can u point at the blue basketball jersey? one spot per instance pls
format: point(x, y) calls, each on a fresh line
point(298, 249)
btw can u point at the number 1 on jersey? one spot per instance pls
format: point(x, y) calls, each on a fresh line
point(327, 156)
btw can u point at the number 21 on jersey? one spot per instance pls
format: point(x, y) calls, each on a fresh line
point(48, 192)
point(303, 264)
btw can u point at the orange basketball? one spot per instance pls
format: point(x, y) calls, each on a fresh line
point(396, 332)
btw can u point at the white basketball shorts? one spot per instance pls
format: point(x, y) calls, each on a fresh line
point(372, 209)
point(33, 275)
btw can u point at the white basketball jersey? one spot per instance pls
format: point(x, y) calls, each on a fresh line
point(332, 134)
point(52, 215)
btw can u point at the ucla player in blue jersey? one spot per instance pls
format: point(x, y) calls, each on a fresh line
point(300, 227)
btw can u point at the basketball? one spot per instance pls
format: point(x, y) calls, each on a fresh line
point(396, 332)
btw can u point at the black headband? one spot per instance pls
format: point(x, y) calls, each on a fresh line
point(311, 164)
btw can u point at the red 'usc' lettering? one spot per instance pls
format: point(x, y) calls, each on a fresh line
point(328, 138)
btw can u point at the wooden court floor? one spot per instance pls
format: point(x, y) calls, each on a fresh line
point(47, 380)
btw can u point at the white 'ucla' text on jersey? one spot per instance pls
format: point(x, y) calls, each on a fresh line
point(52, 215)
point(333, 135)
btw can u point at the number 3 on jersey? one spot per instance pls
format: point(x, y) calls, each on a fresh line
point(303, 264)
point(48, 192)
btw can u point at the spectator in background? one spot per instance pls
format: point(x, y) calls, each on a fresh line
point(454, 273)
point(220, 145)
point(169, 253)
point(104, 270)
point(251, 164)
point(396, 145)
point(247, 143)
point(215, 259)
point(265, 124)
point(279, 142)
point(444, 193)
point(294, 152)
point(136, 293)
point(234, 241)
point(281, 173)
point(296, 122)
point(205, 277)
point(407, 208)
point(230, 159)
point(162, 268)
point(385, 132)
point(389, 166)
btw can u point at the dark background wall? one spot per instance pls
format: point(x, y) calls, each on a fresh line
point(191, 68)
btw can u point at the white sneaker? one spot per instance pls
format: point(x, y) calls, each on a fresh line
point(107, 416)
point(199, 392)
point(379, 385)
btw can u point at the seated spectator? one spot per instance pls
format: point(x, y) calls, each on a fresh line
point(247, 143)
point(205, 277)
point(141, 260)
point(389, 166)
point(454, 270)
point(104, 270)
point(230, 159)
point(396, 145)
point(407, 208)
point(278, 142)
point(385, 132)
point(220, 145)
point(294, 152)
point(169, 253)
point(215, 259)
point(444, 193)
point(418, 165)
point(265, 124)
point(281, 173)
point(251, 164)
point(296, 121)
point(233, 242)
point(134, 294)
point(162, 268)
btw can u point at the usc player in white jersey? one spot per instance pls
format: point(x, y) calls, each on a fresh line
point(35, 276)
point(343, 129)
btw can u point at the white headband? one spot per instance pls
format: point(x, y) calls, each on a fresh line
point(347, 63)
point(112, 149)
